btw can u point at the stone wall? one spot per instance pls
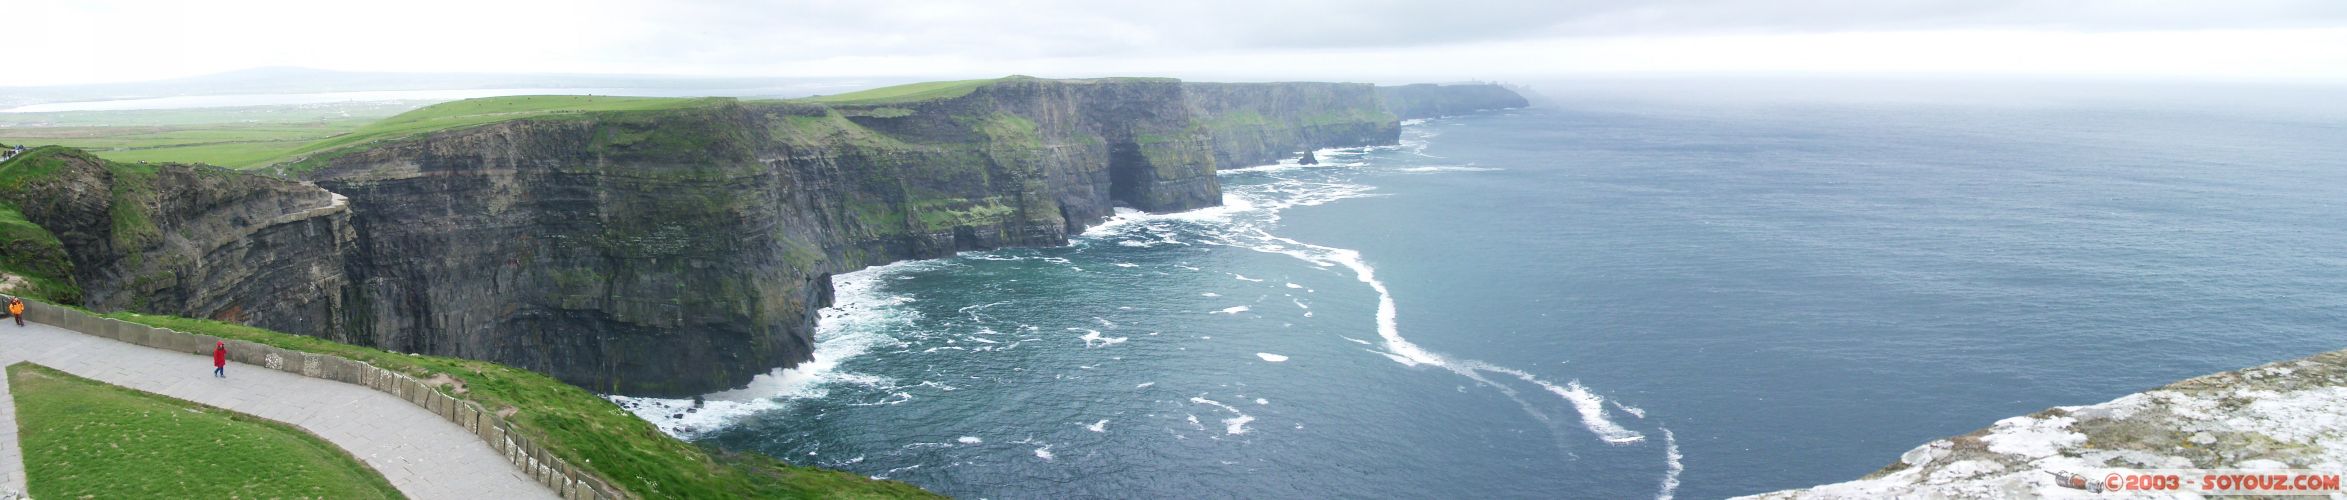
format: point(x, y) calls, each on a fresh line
point(571, 483)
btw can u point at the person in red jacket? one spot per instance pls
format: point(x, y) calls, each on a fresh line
point(220, 359)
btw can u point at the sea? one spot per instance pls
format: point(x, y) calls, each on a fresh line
point(1633, 289)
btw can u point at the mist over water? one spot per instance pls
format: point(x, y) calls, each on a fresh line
point(1609, 296)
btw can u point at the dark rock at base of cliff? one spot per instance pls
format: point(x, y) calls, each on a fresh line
point(1308, 159)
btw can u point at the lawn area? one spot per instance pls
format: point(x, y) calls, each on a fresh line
point(469, 112)
point(86, 439)
point(236, 137)
point(232, 145)
point(264, 136)
point(584, 429)
point(910, 92)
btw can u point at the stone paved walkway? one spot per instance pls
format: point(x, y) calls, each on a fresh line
point(424, 456)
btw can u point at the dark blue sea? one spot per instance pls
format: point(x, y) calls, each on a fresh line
point(1632, 290)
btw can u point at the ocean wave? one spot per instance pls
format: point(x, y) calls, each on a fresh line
point(1671, 465)
point(854, 325)
point(1235, 425)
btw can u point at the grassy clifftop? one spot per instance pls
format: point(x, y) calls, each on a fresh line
point(33, 262)
point(472, 112)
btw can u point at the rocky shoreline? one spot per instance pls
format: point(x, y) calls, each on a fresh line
point(2280, 416)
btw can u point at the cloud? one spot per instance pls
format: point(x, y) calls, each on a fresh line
point(97, 40)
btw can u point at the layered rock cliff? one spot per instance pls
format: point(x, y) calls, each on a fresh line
point(2285, 415)
point(648, 246)
point(1426, 100)
point(189, 240)
point(685, 250)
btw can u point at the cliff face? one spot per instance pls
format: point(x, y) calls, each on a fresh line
point(2283, 415)
point(681, 251)
point(1427, 100)
point(190, 240)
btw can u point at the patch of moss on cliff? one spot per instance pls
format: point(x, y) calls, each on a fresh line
point(33, 254)
point(134, 195)
point(947, 213)
point(816, 127)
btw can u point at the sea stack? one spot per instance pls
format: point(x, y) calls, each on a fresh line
point(1308, 159)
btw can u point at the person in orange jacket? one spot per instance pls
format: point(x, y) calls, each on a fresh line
point(220, 359)
point(16, 309)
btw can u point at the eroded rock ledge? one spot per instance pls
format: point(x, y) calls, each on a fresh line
point(2285, 415)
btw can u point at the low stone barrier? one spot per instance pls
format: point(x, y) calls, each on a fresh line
point(570, 483)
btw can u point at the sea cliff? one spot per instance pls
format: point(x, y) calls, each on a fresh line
point(656, 246)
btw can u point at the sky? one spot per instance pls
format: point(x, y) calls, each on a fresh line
point(88, 41)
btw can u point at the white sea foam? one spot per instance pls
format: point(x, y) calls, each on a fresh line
point(1101, 426)
point(1243, 277)
point(1232, 310)
point(1144, 385)
point(1261, 401)
point(1092, 339)
point(1234, 426)
point(1293, 285)
point(1401, 350)
point(1445, 168)
point(855, 324)
point(1632, 410)
point(1275, 358)
point(1044, 453)
point(970, 440)
point(1671, 465)
point(1210, 294)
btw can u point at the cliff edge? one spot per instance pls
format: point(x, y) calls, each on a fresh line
point(685, 249)
point(1426, 100)
point(646, 246)
point(2284, 415)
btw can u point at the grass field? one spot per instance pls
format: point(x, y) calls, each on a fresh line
point(911, 92)
point(86, 439)
point(469, 112)
point(238, 137)
point(585, 429)
point(261, 136)
point(233, 145)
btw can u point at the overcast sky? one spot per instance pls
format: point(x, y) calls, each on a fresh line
point(80, 41)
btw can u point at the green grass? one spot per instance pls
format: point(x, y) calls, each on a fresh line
point(27, 250)
point(227, 145)
point(31, 253)
point(86, 439)
point(236, 137)
point(586, 430)
point(482, 111)
point(911, 92)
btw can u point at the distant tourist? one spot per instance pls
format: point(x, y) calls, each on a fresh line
point(16, 309)
point(220, 359)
